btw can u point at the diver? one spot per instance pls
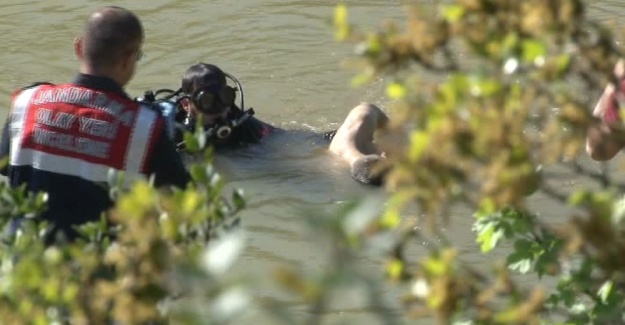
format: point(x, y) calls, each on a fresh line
point(206, 99)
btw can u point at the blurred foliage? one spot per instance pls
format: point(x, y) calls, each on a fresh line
point(492, 99)
point(146, 254)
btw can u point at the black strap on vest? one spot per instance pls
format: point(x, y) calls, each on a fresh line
point(38, 83)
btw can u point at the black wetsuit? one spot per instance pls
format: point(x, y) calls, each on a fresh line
point(250, 131)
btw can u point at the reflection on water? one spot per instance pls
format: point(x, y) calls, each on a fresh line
point(284, 54)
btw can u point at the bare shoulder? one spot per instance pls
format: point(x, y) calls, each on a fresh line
point(362, 116)
point(355, 135)
point(366, 113)
point(367, 108)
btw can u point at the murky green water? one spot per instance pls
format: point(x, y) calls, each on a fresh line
point(284, 54)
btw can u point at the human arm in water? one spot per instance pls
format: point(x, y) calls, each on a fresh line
point(606, 137)
point(354, 142)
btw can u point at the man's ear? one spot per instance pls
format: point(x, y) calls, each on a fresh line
point(129, 60)
point(186, 104)
point(79, 48)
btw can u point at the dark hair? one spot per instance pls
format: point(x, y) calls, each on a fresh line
point(110, 33)
point(202, 75)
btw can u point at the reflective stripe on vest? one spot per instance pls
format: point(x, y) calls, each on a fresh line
point(81, 132)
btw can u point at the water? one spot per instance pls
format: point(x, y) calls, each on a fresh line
point(291, 69)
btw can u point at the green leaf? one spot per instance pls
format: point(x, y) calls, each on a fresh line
point(452, 13)
point(485, 87)
point(340, 15)
point(533, 49)
point(567, 296)
point(191, 142)
point(605, 291)
point(489, 236)
point(201, 139)
point(460, 83)
point(362, 78)
point(198, 173)
point(395, 269)
point(390, 219)
point(519, 223)
point(418, 144)
point(523, 245)
point(4, 162)
point(562, 62)
point(522, 259)
point(396, 90)
point(436, 267)
point(510, 43)
point(578, 197)
point(519, 262)
point(373, 44)
point(341, 24)
point(238, 198)
point(486, 208)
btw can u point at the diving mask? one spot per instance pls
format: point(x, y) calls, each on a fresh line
point(210, 102)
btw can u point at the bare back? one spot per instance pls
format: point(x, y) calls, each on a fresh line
point(354, 138)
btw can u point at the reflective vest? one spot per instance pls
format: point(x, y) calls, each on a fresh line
point(77, 131)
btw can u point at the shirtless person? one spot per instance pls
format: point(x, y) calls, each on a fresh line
point(354, 142)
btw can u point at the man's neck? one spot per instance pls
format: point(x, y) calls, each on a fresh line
point(99, 73)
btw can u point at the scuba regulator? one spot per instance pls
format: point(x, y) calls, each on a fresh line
point(209, 101)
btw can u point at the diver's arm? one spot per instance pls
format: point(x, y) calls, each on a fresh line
point(166, 164)
point(252, 129)
point(264, 126)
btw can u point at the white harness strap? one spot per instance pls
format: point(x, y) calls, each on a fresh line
point(140, 140)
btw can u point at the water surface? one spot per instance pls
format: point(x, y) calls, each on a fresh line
point(284, 54)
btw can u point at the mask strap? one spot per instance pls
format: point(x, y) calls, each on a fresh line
point(238, 84)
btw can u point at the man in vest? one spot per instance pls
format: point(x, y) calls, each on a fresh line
point(65, 139)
